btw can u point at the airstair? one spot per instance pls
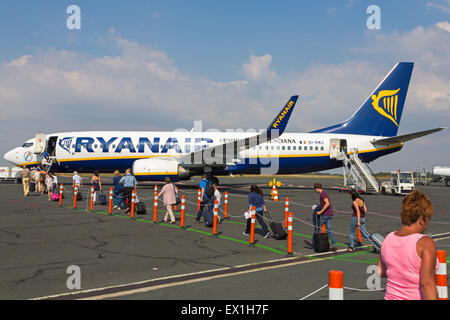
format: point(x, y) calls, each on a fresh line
point(358, 175)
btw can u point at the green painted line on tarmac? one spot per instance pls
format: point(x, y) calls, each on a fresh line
point(258, 227)
point(190, 229)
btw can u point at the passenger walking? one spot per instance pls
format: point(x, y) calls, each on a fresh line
point(256, 199)
point(45, 163)
point(25, 174)
point(76, 180)
point(407, 257)
point(97, 183)
point(129, 184)
point(118, 191)
point(218, 197)
point(324, 211)
point(42, 180)
point(55, 182)
point(358, 219)
point(37, 179)
point(207, 198)
point(49, 185)
point(169, 194)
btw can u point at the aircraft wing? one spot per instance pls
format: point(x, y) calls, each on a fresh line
point(406, 137)
point(228, 153)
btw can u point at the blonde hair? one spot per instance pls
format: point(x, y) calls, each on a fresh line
point(116, 173)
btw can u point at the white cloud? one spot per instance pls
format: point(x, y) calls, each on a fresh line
point(258, 68)
point(442, 7)
point(429, 49)
point(141, 88)
point(444, 25)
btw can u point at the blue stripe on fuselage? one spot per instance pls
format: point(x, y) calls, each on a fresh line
point(287, 165)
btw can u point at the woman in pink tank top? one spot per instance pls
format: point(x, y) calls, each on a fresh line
point(407, 257)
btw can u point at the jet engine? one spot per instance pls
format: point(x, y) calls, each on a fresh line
point(158, 168)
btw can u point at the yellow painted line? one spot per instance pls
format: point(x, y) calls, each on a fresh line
point(259, 156)
point(379, 149)
point(155, 173)
point(291, 155)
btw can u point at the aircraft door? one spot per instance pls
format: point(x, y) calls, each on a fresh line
point(39, 143)
point(338, 149)
point(51, 146)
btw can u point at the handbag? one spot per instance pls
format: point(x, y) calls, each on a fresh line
point(177, 198)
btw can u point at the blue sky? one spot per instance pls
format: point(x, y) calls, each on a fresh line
point(220, 54)
point(197, 34)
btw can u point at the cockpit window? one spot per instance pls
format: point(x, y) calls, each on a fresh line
point(27, 144)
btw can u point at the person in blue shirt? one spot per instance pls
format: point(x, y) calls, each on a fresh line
point(256, 199)
point(129, 184)
point(118, 191)
point(207, 199)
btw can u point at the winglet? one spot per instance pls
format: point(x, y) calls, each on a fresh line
point(281, 120)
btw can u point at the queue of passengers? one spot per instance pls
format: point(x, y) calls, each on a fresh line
point(40, 180)
point(405, 249)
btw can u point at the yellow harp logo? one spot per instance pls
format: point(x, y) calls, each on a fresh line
point(389, 99)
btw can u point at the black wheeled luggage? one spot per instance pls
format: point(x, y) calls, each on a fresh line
point(208, 216)
point(140, 208)
point(320, 242)
point(277, 229)
point(101, 199)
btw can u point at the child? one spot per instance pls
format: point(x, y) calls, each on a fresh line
point(217, 196)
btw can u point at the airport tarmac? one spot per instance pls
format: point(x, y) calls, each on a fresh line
point(120, 258)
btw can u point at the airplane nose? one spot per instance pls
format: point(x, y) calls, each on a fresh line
point(10, 156)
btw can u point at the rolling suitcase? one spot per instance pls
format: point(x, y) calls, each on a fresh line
point(140, 208)
point(101, 199)
point(277, 229)
point(208, 216)
point(376, 240)
point(320, 242)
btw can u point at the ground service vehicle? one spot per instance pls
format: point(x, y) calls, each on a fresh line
point(401, 183)
point(444, 172)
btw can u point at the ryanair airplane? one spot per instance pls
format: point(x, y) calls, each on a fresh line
point(371, 133)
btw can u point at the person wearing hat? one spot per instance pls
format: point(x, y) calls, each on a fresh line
point(76, 180)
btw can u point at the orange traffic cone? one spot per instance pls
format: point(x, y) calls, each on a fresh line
point(324, 229)
point(275, 194)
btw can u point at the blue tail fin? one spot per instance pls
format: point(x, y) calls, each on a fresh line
point(380, 114)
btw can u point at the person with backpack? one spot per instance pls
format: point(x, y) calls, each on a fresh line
point(118, 191)
point(42, 182)
point(129, 184)
point(207, 200)
point(170, 198)
point(256, 199)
